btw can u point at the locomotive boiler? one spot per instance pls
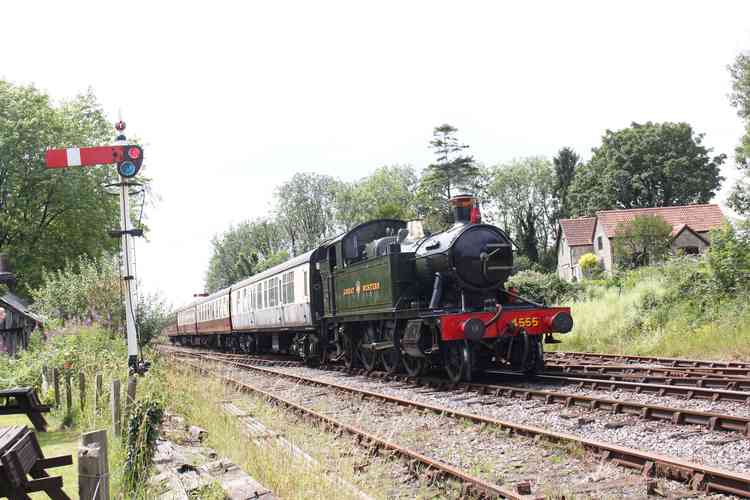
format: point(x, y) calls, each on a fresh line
point(384, 294)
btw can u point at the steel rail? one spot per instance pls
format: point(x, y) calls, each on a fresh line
point(719, 383)
point(476, 484)
point(557, 365)
point(699, 476)
point(678, 416)
point(674, 362)
point(689, 392)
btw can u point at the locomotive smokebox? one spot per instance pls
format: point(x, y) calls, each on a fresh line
point(476, 257)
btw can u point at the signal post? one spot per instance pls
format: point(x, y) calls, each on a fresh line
point(128, 158)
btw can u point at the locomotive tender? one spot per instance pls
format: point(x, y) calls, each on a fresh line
point(385, 294)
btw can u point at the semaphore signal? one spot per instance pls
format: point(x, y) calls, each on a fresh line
point(128, 158)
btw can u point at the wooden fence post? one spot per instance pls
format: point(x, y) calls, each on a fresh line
point(116, 407)
point(98, 390)
point(82, 389)
point(130, 398)
point(68, 393)
point(45, 379)
point(93, 466)
point(56, 384)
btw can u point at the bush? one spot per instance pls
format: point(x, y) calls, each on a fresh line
point(543, 288)
point(140, 445)
point(729, 259)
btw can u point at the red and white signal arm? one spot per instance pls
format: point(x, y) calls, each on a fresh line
point(86, 157)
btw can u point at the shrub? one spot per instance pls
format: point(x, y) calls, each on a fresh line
point(140, 445)
point(729, 259)
point(545, 288)
point(590, 265)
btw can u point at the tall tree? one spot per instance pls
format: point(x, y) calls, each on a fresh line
point(388, 193)
point(646, 165)
point(244, 250)
point(740, 99)
point(521, 199)
point(51, 216)
point(453, 170)
point(305, 208)
point(566, 162)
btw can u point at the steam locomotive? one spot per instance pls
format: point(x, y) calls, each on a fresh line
point(384, 294)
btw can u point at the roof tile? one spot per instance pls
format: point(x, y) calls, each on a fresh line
point(700, 218)
point(578, 232)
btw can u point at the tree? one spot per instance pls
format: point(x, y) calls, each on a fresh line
point(520, 196)
point(739, 200)
point(642, 241)
point(49, 217)
point(304, 210)
point(453, 170)
point(589, 264)
point(646, 165)
point(244, 250)
point(388, 193)
point(566, 162)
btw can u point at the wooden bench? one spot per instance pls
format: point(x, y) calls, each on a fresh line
point(21, 400)
point(21, 457)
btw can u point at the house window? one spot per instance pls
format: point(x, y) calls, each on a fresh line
point(599, 243)
point(691, 250)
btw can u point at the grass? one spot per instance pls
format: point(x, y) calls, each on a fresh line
point(198, 399)
point(54, 443)
point(635, 320)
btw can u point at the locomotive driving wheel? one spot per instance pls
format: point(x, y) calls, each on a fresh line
point(392, 357)
point(458, 361)
point(350, 351)
point(414, 366)
point(368, 355)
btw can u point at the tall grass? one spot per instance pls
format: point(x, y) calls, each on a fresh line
point(649, 314)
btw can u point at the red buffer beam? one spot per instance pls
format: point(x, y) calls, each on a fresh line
point(81, 157)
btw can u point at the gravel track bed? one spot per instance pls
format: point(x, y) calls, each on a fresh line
point(727, 407)
point(489, 453)
point(728, 450)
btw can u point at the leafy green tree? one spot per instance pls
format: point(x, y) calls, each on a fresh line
point(646, 165)
point(454, 170)
point(305, 210)
point(739, 200)
point(566, 162)
point(520, 197)
point(388, 193)
point(51, 216)
point(644, 240)
point(244, 250)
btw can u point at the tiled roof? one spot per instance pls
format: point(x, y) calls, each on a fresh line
point(578, 232)
point(700, 218)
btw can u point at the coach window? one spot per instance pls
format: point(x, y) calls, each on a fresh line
point(288, 287)
point(304, 278)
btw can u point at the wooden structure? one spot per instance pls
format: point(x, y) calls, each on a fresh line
point(22, 400)
point(21, 457)
point(16, 327)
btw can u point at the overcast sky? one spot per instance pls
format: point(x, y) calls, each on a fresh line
point(233, 98)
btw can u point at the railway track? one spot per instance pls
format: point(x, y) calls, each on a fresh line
point(471, 485)
point(736, 373)
point(707, 382)
point(591, 357)
point(697, 475)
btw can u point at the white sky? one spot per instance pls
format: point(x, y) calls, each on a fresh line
point(233, 98)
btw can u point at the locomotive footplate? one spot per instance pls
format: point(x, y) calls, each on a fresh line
point(468, 325)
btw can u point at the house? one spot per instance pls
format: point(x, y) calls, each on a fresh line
point(16, 324)
point(690, 233)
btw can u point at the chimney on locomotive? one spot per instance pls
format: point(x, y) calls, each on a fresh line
point(465, 209)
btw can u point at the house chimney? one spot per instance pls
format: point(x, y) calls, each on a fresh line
point(7, 277)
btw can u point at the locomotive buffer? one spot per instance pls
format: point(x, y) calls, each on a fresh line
point(128, 158)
